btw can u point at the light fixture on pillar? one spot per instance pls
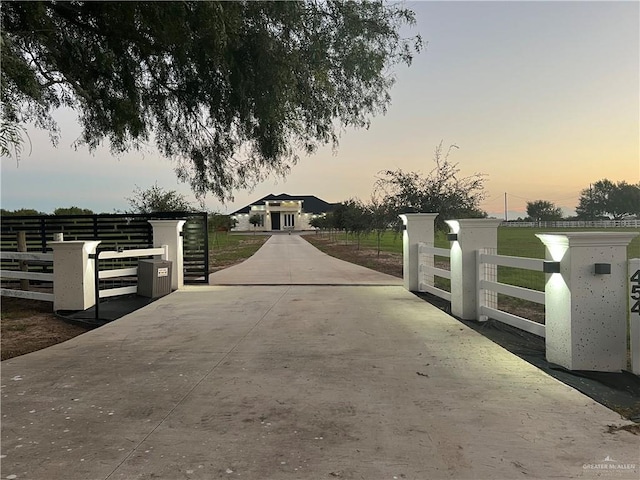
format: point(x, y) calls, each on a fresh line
point(602, 269)
point(550, 267)
point(452, 237)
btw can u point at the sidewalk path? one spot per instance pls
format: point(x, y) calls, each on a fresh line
point(297, 382)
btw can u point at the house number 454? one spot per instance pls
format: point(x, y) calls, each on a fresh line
point(635, 292)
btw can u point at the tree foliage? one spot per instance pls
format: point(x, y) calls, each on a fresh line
point(157, 199)
point(231, 90)
point(356, 218)
point(255, 220)
point(219, 222)
point(543, 211)
point(441, 191)
point(72, 211)
point(607, 199)
point(12, 138)
point(381, 218)
point(20, 212)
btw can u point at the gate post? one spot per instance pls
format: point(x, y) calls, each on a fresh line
point(169, 232)
point(73, 275)
point(468, 236)
point(418, 227)
point(586, 299)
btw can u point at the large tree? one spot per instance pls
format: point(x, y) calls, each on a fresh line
point(543, 211)
point(73, 210)
point(442, 191)
point(232, 90)
point(157, 199)
point(605, 198)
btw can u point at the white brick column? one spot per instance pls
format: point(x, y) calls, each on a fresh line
point(418, 227)
point(169, 232)
point(586, 307)
point(472, 235)
point(73, 275)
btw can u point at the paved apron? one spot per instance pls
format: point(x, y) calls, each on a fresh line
point(318, 370)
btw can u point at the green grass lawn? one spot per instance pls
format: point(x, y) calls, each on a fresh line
point(522, 242)
point(228, 248)
point(517, 242)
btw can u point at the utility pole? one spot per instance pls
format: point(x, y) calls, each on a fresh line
point(506, 218)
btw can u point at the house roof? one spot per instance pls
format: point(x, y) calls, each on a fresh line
point(311, 203)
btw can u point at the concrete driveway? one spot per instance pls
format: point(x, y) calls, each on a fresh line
point(306, 381)
point(291, 260)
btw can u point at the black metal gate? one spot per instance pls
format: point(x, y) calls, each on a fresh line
point(115, 231)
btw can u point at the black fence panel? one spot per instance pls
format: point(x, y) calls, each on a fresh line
point(115, 231)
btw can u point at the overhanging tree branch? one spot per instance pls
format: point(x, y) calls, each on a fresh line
point(270, 77)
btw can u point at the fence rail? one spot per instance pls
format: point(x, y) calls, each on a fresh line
point(428, 271)
point(489, 287)
point(46, 258)
point(575, 224)
point(43, 257)
point(120, 272)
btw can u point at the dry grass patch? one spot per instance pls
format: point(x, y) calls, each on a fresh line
point(30, 325)
point(385, 262)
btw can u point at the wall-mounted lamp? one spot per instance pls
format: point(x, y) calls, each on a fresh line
point(452, 237)
point(602, 269)
point(550, 267)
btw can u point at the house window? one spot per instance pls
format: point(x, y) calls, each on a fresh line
point(288, 220)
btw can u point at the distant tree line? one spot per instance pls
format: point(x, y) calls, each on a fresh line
point(151, 200)
point(58, 211)
point(603, 200)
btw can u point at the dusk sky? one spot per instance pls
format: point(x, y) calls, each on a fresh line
point(541, 97)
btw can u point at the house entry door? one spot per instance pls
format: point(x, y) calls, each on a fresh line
point(275, 220)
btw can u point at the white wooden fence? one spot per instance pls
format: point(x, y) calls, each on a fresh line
point(24, 275)
point(488, 285)
point(76, 281)
point(489, 288)
point(163, 252)
point(586, 304)
point(428, 270)
point(576, 224)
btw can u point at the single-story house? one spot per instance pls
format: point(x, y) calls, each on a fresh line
point(281, 212)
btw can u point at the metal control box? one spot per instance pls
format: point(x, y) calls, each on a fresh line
point(154, 278)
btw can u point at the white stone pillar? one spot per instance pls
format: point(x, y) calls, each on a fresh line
point(418, 227)
point(169, 232)
point(472, 235)
point(586, 311)
point(73, 275)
